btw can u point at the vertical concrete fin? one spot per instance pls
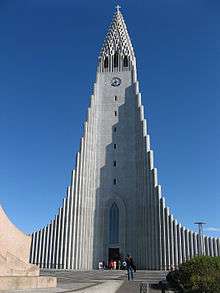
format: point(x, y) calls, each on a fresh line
point(34, 248)
point(39, 247)
point(144, 128)
point(195, 244)
point(218, 245)
point(148, 143)
point(179, 241)
point(155, 178)
point(191, 251)
point(72, 177)
point(66, 239)
point(43, 248)
point(61, 258)
point(215, 247)
point(137, 87)
point(159, 191)
point(167, 235)
point(176, 256)
point(163, 233)
point(206, 245)
point(183, 243)
point(139, 103)
point(31, 259)
point(141, 112)
point(151, 159)
point(186, 232)
point(172, 244)
point(54, 242)
point(46, 247)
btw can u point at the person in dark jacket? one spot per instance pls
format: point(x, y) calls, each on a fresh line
point(130, 267)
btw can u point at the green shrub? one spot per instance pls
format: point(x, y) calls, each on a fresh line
point(200, 274)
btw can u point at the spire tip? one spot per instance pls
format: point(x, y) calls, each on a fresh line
point(118, 7)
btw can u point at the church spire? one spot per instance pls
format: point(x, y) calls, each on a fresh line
point(117, 52)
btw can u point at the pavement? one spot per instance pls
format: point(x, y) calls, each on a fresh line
point(113, 281)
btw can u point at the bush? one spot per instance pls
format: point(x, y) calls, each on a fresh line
point(200, 274)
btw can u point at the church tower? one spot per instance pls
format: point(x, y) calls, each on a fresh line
point(114, 204)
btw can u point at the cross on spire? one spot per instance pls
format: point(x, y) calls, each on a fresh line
point(118, 8)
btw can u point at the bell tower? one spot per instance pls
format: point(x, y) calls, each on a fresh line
point(120, 147)
point(117, 53)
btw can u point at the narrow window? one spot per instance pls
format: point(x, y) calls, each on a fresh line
point(125, 61)
point(116, 98)
point(106, 62)
point(114, 163)
point(115, 181)
point(116, 113)
point(114, 145)
point(116, 60)
point(115, 129)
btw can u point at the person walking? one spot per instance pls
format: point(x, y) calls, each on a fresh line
point(130, 267)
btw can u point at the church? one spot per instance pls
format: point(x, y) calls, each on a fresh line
point(114, 204)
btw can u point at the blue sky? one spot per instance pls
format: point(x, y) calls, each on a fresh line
point(48, 57)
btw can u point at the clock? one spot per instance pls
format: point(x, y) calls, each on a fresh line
point(116, 81)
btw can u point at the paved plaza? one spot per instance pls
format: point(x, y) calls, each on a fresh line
point(98, 281)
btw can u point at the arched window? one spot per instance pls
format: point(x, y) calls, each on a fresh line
point(114, 224)
point(125, 63)
point(116, 60)
point(106, 62)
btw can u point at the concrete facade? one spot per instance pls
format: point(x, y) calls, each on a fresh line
point(114, 201)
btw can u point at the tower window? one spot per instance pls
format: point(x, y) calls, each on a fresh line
point(116, 113)
point(106, 62)
point(115, 129)
point(114, 181)
point(116, 98)
point(125, 62)
point(114, 145)
point(114, 163)
point(116, 60)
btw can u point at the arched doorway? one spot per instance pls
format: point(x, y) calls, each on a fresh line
point(114, 228)
point(114, 245)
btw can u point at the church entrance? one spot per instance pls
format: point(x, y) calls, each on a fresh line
point(114, 224)
point(113, 253)
point(113, 258)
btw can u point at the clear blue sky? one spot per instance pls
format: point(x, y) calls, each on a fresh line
point(48, 56)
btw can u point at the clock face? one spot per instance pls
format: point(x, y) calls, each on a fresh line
point(116, 81)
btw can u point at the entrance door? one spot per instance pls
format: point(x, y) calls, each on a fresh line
point(113, 256)
point(114, 244)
